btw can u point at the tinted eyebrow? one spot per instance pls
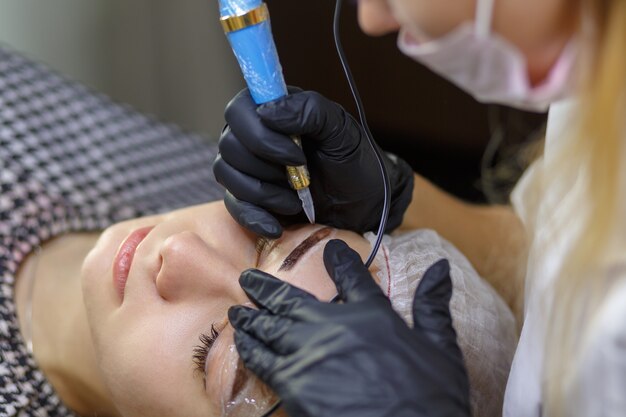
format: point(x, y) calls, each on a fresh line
point(304, 247)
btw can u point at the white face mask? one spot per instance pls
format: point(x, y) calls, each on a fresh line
point(488, 66)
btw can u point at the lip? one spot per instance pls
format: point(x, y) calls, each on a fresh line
point(124, 258)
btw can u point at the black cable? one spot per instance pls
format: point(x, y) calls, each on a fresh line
point(383, 169)
point(359, 104)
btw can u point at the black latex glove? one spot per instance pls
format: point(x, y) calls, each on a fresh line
point(359, 358)
point(346, 183)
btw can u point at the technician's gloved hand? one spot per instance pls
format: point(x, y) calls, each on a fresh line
point(346, 183)
point(359, 358)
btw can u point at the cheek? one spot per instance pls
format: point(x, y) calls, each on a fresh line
point(147, 366)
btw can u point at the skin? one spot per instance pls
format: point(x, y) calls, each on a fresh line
point(548, 24)
point(132, 356)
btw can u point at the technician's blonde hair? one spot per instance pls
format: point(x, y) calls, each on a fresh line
point(596, 158)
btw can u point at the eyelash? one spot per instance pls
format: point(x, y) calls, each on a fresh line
point(201, 351)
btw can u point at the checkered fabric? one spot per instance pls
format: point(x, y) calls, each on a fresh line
point(73, 160)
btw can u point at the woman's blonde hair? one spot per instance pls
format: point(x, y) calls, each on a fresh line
point(586, 184)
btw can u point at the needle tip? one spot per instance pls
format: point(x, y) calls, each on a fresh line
point(307, 204)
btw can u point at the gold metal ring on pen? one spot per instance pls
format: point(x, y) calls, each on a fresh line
point(298, 176)
point(251, 18)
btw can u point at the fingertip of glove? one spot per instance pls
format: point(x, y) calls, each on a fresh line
point(441, 267)
point(233, 313)
point(436, 279)
point(335, 245)
point(243, 91)
point(243, 97)
point(251, 278)
point(336, 250)
point(281, 113)
point(238, 314)
point(270, 230)
point(247, 277)
point(338, 256)
point(267, 110)
point(242, 342)
point(254, 218)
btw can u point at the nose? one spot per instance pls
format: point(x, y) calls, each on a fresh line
point(192, 269)
point(376, 19)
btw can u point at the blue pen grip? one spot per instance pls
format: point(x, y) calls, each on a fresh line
point(256, 52)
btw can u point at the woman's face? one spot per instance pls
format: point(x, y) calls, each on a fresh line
point(539, 28)
point(437, 18)
point(149, 307)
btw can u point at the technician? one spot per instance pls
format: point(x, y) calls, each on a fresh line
point(562, 244)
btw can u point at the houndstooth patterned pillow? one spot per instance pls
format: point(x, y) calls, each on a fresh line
point(72, 160)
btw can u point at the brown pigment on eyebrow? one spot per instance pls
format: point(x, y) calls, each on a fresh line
point(303, 247)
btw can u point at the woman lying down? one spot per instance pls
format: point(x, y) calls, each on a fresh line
point(131, 321)
point(152, 337)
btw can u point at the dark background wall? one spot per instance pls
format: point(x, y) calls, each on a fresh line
point(441, 131)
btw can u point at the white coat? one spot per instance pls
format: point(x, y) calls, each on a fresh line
point(599, 385)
